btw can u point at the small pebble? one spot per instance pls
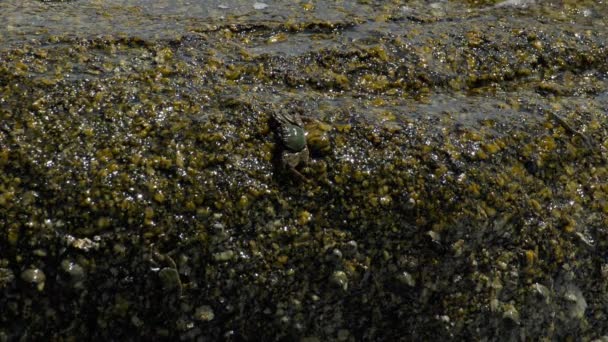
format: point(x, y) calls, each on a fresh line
point(340, 279)
point(34, 276)
point(204, 313)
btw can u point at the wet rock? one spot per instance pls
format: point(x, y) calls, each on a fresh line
point(542, 291)
point(340, 280)
point(576, 301)
point(204, 313)
point(6, 277)
point(483, 126)
point(223, 256)
point(259, 5)
point(406, 278)
point(76, 272)
point(170, 280)
point(34, 276)
point(510, 313)
point(318, 141)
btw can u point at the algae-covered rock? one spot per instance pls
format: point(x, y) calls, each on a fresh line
point(455, 186)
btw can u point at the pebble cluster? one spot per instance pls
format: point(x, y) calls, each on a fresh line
point(458, 181)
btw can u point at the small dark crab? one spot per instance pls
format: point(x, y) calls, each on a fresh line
point(291, 134)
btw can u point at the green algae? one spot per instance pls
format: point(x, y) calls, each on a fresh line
point(458, 179)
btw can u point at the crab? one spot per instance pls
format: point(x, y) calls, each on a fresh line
point(291, 134)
